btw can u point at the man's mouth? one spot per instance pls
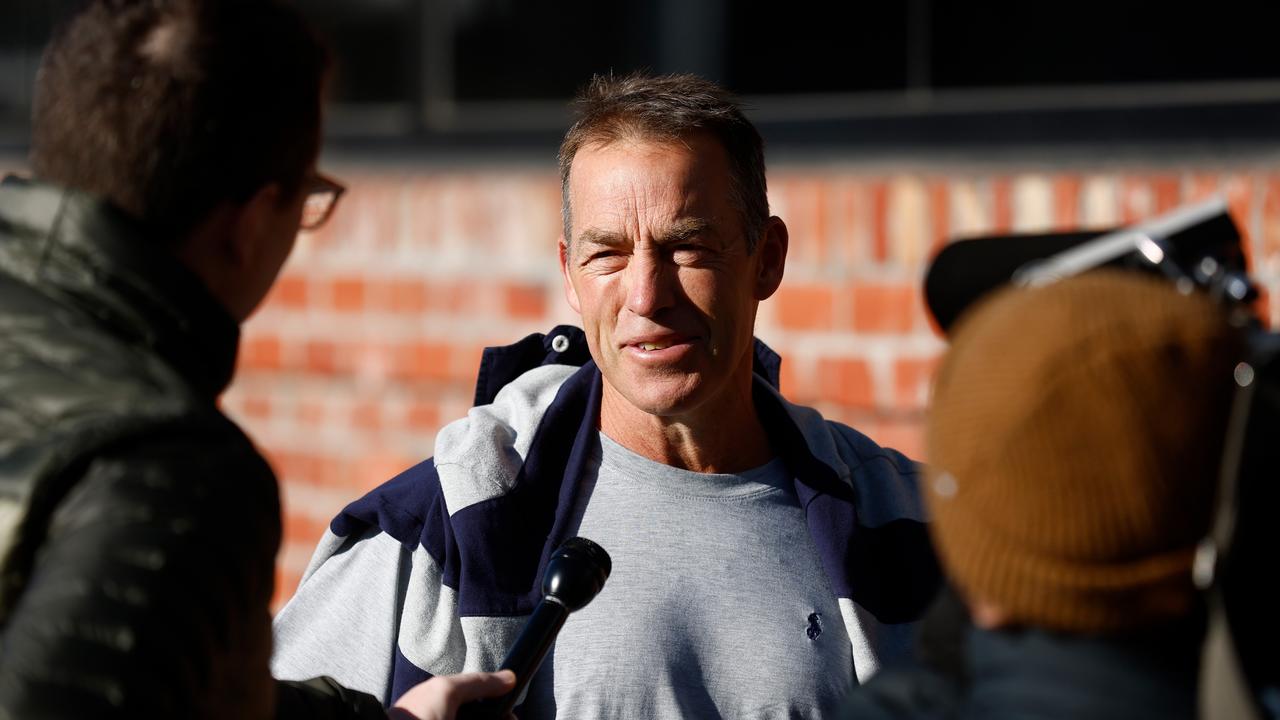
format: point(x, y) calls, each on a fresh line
point(650, 346)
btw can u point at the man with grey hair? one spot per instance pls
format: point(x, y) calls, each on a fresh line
point(764, 560)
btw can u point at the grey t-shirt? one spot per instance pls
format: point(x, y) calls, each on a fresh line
point(717, 605)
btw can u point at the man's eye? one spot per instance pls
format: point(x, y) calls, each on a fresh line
point(606, 259)
point(688, 253)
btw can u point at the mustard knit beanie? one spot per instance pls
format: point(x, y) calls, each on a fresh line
point(1075, 439)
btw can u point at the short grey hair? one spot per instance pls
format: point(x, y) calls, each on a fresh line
point(670, 107)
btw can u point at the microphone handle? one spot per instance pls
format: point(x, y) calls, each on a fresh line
point(524, 659)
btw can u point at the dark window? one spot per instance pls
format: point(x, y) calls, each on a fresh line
point(907, 72)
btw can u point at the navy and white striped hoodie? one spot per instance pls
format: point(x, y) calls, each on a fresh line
point(436, 571)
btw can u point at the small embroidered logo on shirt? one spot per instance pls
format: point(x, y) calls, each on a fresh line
point(815, 627)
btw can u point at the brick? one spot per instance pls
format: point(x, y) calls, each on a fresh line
point(303, 529)
point(379, 467)
point(549, 196)
point(1066, 203)
point(524, 301)
point(1001, 205)
point(291, 291)
point(1166, 192)
point(256, 407)
point(422, 360)
point(879, 193)
point(912, 380)
point(296, 466)
point(422, 200)
point(367, 416)
point(423, 416)
point(790, 380)
point(822, 228)
point(406, 296)
point(466, 362)
point(800, 207)
point(1201, 186)
point(1239, 191)
point(347, 294)
point(370, 217)
point(309, 413)
point(321, 357)
point(904, 434)
point(1269, 232)
point(456, 297)
point(372, 361)
point(846, 382)
point(312, 467)
point(909, 231)
point(474, 214)
point(804, 307)
point(939, 214)
point(886, 308)
point(1137, 200)
point(260, 353)
point(846, 223)
point(286, 585)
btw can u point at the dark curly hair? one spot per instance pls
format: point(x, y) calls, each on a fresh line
point(168, 108)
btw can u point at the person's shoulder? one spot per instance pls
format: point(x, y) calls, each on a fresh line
point(885, 481)
point(479, 456)
point(65, 404)
point(516, 410)
point(845, 448)
point(516, 385)
point(65, 374)
point(197, 465)
point(868, 456)
point(200, 442)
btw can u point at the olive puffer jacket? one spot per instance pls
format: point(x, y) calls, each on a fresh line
point(138, 525)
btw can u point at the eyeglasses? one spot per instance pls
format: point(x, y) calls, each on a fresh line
point(322, 198)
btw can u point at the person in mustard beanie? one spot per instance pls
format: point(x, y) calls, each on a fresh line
point(1075, 440)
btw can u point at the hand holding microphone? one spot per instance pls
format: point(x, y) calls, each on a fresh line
point(440, 697)
point(575, 574)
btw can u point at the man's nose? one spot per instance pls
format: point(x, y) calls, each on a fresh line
point(649, 284)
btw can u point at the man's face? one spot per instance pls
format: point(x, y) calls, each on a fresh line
point(271, 225)
point(657, 266)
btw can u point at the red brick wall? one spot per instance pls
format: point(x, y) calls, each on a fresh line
point(370, 341)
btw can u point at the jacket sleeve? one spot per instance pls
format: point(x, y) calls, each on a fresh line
point(343, 620)
point(376, 610)
point(323, 698)
point(149, 594)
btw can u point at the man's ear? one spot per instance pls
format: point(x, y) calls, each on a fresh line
point(252, 223)
point(771, 252)
point(570, 293)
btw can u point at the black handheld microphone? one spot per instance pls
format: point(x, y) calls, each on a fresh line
point(575, 574)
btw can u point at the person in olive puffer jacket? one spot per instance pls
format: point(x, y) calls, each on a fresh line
point(174, 146)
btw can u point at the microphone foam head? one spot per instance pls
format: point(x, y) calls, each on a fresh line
point(576, 572)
